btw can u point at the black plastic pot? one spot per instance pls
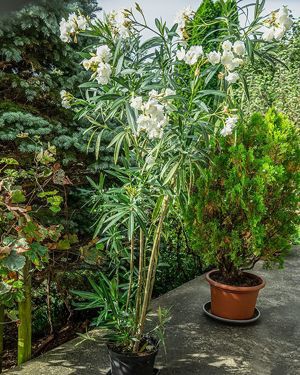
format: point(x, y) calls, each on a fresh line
point(132, 364)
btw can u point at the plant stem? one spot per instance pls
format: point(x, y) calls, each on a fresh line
point(140, 276)
point(1, 334)
point(131, 271)
point(24, 328)
point(151, 272)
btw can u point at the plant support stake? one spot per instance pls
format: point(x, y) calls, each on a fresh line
point(24, 328)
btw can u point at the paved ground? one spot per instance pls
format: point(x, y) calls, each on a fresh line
point(197, 345)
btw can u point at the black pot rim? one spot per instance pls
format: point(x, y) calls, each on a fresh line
point(133, 355)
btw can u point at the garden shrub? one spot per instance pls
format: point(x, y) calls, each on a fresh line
point(35, 66)
point(277, 85)
point(244, 206)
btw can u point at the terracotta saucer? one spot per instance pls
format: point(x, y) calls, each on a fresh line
point(207, 311)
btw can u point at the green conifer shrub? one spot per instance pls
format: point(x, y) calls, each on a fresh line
point(244, 206)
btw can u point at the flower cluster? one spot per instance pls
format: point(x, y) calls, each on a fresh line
point(99, 64)
point(229, 126)
point(72, 26)
point(231, 57)
point(190, 56)
point(182, 18)
point(278, 24)
point(120, 24)
point(66, 98)
point(153, 117)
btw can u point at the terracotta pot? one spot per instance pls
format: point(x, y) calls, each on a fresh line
point(233, 302)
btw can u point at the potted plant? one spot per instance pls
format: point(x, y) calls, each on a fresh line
point(244, 209)
point(159, 126)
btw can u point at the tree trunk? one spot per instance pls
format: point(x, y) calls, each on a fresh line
point(24, 328)
point(1, 334)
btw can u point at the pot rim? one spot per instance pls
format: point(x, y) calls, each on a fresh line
point(132, 355)
point(233, 288)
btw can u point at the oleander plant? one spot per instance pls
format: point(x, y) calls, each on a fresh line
point(163, 128)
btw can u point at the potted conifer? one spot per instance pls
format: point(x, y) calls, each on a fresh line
point(245, 209)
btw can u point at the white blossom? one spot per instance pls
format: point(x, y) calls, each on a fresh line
point(279, 33)
point(169, 92)
point(104, 53)
point(82, 23)
point(182, 18)
point(268, 34)
point(137, 102)
point(214, 57)
point(193, 55)
point(180, 54)
point(237, 62)
point(227, 60)
point(232, 77)
point(103, 73)
point(229, 126)
point(70, 27)
point(153, 117)
point(65, 99)
point(283, 18)
point(227, 45)
point(239, 48)
point(279, 23)
point(154, 94)
point(120, 24)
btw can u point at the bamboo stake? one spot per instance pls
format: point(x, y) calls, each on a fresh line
point(151, 271)
point(24, 328)
point(131, 271)
point(140, 277)
point(1, 334)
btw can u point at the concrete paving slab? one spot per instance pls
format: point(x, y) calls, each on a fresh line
point(197, 345)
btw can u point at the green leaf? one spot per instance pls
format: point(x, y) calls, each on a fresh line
point(14, 262)
point(18, 196)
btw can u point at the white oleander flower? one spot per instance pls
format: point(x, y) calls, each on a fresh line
point(180, 54)
point(120, 23)
point(232, 77)
point(279, 24)
point(268, 34)
point(239, 48)
point(103, 73)
point(137, 103)
point(279, 33)
point(227, 59)
point(73, 25)
point(65, 99)
point(65, 33)
point(82, 23)
point(229, 126)
point(182, 18)
point(169, 92)
point(193, 55)
point(237, 62)
point(104, 53)
point(283, 18)
point(153, 119)
point(214, 57)
point(86, 64)
point(227, 45)
point(154, 94)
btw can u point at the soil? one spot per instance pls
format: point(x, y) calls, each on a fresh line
point(241, 280)
point(41, 345)
point(121, 350)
